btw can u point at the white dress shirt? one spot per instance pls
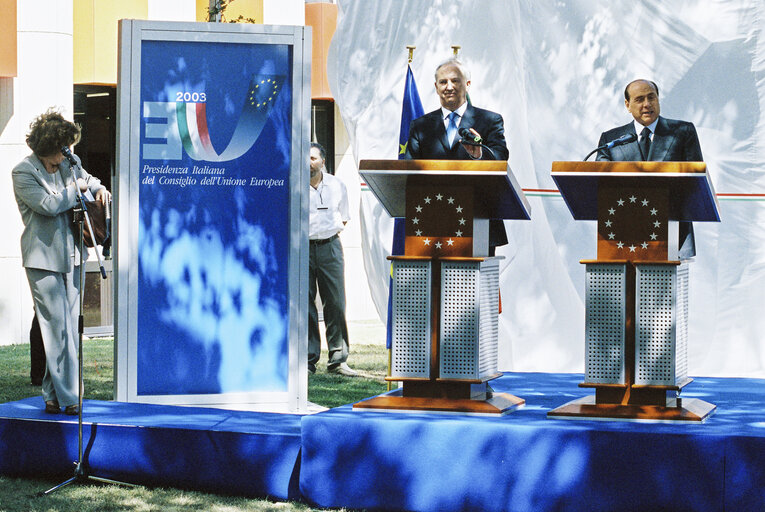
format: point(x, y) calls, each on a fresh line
point(460, 112)
point(639, 128)
point(328, 208)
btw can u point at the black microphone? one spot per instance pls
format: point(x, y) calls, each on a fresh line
point(624, 139)
point(473, 139)
point(470, 137)
point(69, 156)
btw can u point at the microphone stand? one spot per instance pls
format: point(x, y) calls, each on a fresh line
point(73, 166)
point(81, 216)
point(624, 139)
point(604, 146)
point(479, 144)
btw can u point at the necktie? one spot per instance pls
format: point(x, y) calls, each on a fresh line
point(451, 129)
point(645, 142)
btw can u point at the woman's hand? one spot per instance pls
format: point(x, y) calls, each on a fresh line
point(104, 196)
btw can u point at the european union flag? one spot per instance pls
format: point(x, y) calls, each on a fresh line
point(411, 109)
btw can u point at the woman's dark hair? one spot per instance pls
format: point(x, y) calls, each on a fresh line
point(49, 132)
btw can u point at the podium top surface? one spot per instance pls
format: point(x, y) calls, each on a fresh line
point(497, 193)
point(692, 194)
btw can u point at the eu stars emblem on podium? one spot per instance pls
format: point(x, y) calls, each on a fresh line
point(632, 224)
point(439, 221)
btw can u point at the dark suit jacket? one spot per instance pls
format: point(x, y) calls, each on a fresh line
point(673, 141)
point(427, 136)
point(427, 139)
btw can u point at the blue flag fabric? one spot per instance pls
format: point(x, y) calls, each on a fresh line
point(411, 109)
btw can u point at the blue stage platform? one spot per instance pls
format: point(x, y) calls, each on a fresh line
point(420, 462)
point(231, 452)
point(526, 462)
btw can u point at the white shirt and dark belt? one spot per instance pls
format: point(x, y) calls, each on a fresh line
point(329, 209)
point(326, 271)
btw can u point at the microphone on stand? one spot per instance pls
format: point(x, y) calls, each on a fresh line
point(624, 139)
point(471, 138)
point(69, 156)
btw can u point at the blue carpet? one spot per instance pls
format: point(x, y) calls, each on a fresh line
point(376, 460)
point(524, 461)
point(243, 453)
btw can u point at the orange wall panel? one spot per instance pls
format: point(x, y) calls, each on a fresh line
point(8, 48)
point(322, 18)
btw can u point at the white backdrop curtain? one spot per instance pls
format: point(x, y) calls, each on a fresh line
point(556, 71)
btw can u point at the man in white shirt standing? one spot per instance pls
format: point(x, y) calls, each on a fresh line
point(326, 267)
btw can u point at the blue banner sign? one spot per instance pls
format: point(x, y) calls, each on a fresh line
point(214, 222)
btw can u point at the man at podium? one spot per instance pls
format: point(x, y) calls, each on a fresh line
point(654, 138)
point(437, 134)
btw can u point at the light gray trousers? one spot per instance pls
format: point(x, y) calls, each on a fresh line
point(56, 298)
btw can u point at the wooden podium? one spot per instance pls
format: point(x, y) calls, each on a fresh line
point(445, 287)
point(636, 293)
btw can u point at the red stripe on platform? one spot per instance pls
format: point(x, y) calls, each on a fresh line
point(555, 191)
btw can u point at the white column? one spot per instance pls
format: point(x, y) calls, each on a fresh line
point(44, 80)
point(172, 10)
point(283, 12)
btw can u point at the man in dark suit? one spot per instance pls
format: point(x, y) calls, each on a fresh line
point(659, 139)
point(430, 136)
point(436, 134)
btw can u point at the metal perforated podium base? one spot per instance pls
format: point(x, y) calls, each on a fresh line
point(468, 313)
point(660, 316)
point(445, 314)
point(636, 344)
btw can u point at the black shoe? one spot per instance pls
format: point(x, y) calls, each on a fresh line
point(72, 410)
point(51, 407)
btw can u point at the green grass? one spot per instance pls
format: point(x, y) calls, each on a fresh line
point(98, 371)
point(331, 390)
point(19, 494)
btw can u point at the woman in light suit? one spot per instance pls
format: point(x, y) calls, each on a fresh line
point(44, 186)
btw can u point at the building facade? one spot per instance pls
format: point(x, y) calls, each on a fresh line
point(63, 54)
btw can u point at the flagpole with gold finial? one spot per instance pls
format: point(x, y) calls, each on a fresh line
point(456, 50)
point(411, 49)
